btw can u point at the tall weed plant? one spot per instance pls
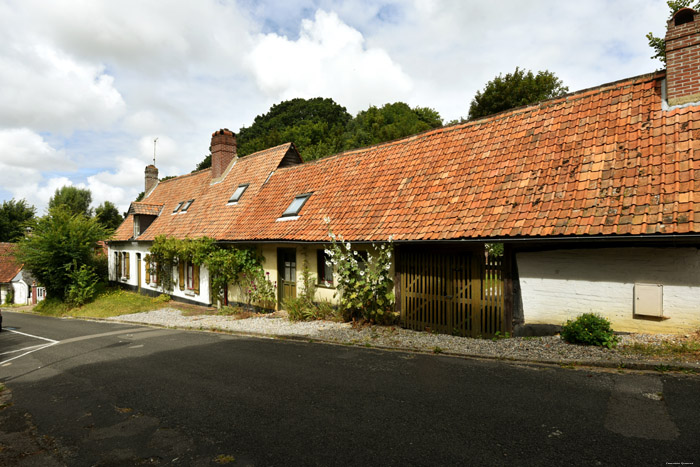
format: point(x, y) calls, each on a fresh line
point(365, 286)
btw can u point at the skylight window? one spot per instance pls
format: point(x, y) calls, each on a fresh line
point(177, 208)
point(187, 206)
point(238, 193)
point(297, 204)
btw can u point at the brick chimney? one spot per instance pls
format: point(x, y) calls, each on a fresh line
point(683, 57)
point(223, 151)
point(151, 177)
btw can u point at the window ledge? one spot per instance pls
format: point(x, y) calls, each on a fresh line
point(325, 286)
point(287, 218)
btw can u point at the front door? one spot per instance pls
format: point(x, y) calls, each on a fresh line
point(287, 273)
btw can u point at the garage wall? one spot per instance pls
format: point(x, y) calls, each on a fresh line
point(561, 284)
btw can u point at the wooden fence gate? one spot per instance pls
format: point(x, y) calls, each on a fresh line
point(457, 292)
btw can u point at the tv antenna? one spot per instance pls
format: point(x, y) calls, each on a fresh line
point(154, 150)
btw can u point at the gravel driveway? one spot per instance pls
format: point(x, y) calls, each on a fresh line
point(549, 349)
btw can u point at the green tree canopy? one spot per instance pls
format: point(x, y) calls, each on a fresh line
point(108, 215)
point(15, 217)
point(77, 200)
point(61, 243)
point(515, 89)
point(389, 122)
point(315, 125)
point(659, 43)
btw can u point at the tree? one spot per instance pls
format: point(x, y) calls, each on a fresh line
point(659, 43)
point(77, 200)
point(316, 126)
point(391, 121)
point(15, 217)
point(61, 243)
point(108, 215)
point(515, 89)
point(205, 164)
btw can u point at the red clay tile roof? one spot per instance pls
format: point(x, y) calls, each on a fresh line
point(210, 213)
point(607, 161)
point(9, 267)
point(604, 161)
point(145, 208)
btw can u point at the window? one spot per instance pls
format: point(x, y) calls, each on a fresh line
point(297, 204)
point(238, 193)
point(177, 208)
point(186, 206)
point(124, 266)
point(188, 276)
point(325, 269)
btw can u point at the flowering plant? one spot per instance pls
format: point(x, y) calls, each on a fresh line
point(259, 290)
point(364, 283)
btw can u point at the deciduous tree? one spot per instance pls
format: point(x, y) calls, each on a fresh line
point(15, 217)
point(515, 89)
point(77, 200)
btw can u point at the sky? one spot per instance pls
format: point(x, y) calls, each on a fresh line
point(86, 86)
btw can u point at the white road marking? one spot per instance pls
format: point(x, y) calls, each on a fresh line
point(30, 349)
point(31, 335)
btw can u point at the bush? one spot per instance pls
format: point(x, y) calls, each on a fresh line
point(83, 285)
point(10, 297)
point(589, 329)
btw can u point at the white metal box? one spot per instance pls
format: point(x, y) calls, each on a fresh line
point(649, 300)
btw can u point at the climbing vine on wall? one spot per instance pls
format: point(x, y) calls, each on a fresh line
point(225, 265)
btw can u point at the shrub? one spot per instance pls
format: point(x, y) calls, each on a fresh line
point(83, 285)
point(303, 307)
point(10, 297)
point(589, 329)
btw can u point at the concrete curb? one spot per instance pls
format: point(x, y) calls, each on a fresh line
point(654, 366)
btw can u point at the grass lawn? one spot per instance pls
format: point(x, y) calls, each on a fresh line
point(115, 302)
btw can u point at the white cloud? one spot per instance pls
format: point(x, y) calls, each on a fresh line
point(21, 147)
point(328, 59)
point(44, 88)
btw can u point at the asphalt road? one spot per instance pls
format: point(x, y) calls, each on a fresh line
point(114, 394)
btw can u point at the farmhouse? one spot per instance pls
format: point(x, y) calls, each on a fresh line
point(592, 196)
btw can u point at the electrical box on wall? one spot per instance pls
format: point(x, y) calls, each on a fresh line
point(649, 300)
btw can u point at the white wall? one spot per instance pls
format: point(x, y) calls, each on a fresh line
point(143, 248)
point(561, 284)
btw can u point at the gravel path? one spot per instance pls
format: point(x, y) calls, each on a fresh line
point(550, 349)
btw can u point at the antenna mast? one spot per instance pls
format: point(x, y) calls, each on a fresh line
point(154, 150)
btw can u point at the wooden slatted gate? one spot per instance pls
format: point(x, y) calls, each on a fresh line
point(460, 293)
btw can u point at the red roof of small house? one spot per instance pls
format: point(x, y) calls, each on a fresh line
point(210, 213)
point(9, 267)
point(607, 161)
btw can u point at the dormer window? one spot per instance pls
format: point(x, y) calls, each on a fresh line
point(238, 193)
point(187, 205)
point(177, 208)
point(297, 204)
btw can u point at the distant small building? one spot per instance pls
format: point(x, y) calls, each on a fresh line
point(17, 281)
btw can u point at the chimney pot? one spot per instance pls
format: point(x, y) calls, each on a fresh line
point(223, 151)
point(682, 55)
point(151, 177)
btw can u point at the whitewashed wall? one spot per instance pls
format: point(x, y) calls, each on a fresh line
point(143, 248)
point(269, 252)
point(562, 284)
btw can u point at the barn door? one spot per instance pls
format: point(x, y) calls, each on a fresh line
point(450, 292)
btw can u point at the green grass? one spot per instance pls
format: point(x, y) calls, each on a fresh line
point(113, 302)
point(689, 348)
